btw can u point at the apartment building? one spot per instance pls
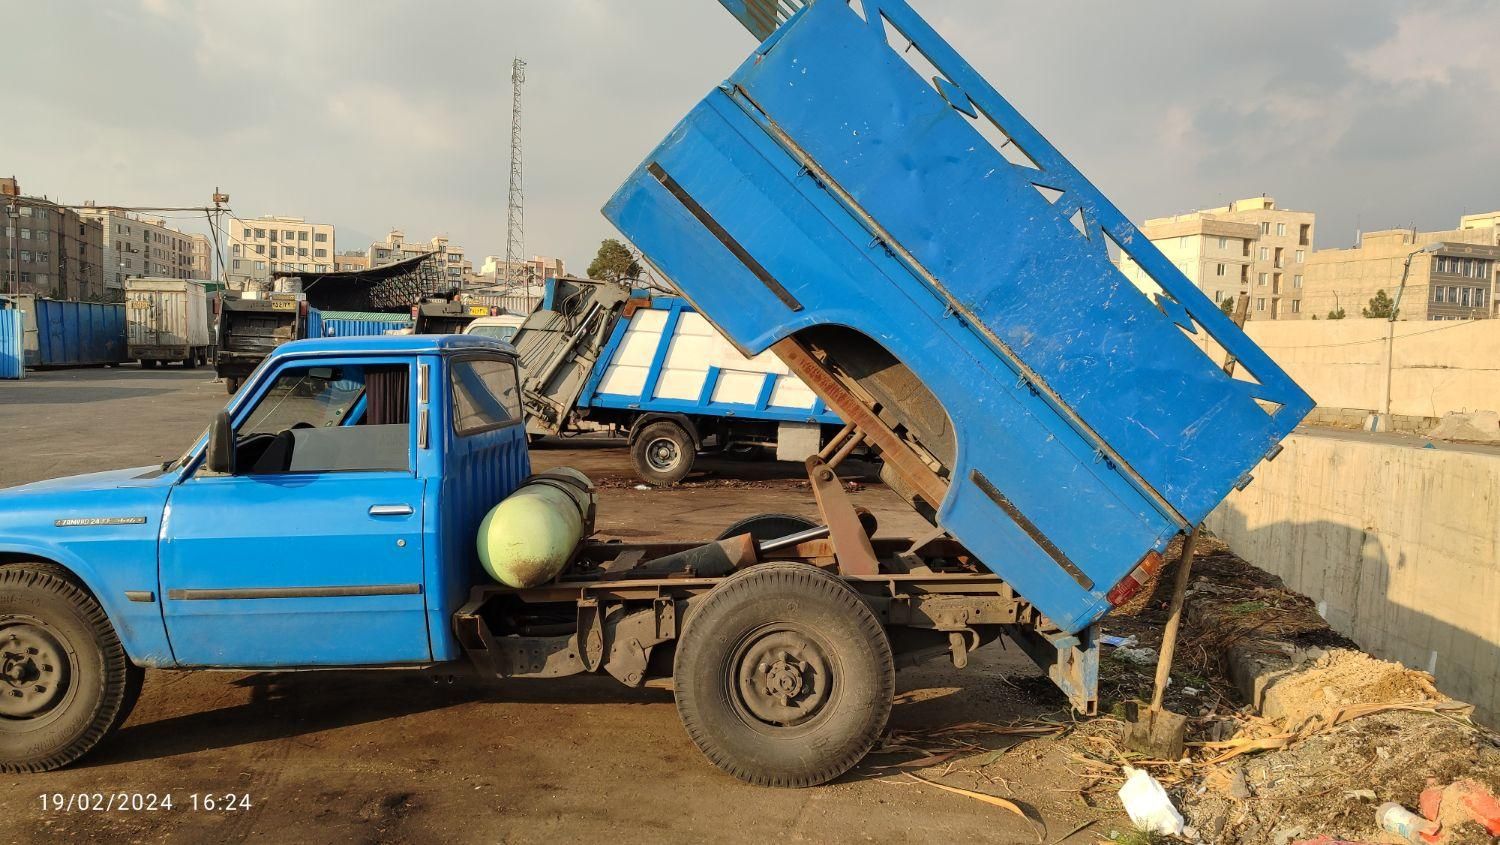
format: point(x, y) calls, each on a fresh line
point(48, 250)
point(203, 257)
point(449, 258)
point(350, 261)
point(260, 246)
point(140, 247)
point(539, 267)
point(1458, 282)
point(1248, 246)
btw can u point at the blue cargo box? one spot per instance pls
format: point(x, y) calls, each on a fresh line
point(917, 230)
point(65, 333)
point(662, 357)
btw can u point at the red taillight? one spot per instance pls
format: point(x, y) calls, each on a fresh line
point(1138, 578)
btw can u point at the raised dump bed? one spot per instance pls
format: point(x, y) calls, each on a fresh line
point(858, 199)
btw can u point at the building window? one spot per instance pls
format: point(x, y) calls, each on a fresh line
point(1280, 230)
point(320, 253)
point(1301, 256)
point(260, 233)
point(25, 234)
point(301, 252)
point(1219, 271)
point(1262, 279)
point(1223, 243)
point(1452, 297)
point(1260, 304)
point(260, 265)
point(1265, 228)
point(1437, 293)
point(260, 249)
point(1296, 306)
point(1464, 297)
point(1478, 297)
point(1296, 281)
point(288, 234)
point(236, 264)
point(1265, 253)
point(301, 236)
point(320, 237)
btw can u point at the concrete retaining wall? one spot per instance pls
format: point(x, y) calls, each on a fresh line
point(1399, 545)
point(1439, 366)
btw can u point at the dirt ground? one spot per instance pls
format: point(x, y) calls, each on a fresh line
point(395, 757)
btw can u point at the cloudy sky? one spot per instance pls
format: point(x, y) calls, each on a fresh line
point(373, 114)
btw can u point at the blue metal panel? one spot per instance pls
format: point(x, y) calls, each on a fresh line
point(12, 346)
point(314, 326)
point(477, 472)
point(74, 334)
point(704, 405)
point(828, 183)
point(360, 328)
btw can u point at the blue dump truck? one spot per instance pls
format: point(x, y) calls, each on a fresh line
point(1057, 423)
point(648, 365)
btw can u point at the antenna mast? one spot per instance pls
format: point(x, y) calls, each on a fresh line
point(515, 218)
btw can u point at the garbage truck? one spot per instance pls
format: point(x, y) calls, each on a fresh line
point(369, 501)
point(597, 354)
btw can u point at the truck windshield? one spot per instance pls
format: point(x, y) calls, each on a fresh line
point(317, 397)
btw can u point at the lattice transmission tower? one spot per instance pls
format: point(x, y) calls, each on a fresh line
point(515, 218)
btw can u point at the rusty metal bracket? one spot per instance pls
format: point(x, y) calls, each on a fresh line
point(893, 449)
point(850, 542)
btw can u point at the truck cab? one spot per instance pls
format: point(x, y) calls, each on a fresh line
point(326, 518)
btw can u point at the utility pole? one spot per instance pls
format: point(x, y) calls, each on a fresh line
point(216, 265)
point(515, 216)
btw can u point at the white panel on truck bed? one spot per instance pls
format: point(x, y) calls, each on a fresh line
point(627, 371)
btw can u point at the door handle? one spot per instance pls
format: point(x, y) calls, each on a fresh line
point(390, 510)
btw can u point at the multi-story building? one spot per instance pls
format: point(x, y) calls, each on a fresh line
point(349, 261)
point(261, 246)
point(49, 250)
point(539, 267)
point(447, 257)
point(1458, 282)
point(1249, 246)
point(141, 247)
point(203, 257)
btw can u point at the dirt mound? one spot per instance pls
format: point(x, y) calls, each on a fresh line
point(1333, 679)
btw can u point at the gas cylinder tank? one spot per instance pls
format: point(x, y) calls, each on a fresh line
point(531, 535)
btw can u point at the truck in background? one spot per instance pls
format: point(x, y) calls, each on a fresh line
point(444, 316)
point(599, 354)
point(251, 325)
point(167, 320)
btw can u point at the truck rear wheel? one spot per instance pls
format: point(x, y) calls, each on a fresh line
point(663, 454)
point(148, 364)
point(783, 676)
point(65, 681)
point(231, 384)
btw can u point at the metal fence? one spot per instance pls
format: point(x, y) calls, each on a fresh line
point(12, 341)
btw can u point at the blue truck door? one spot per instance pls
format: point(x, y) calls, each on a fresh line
point(311, 553)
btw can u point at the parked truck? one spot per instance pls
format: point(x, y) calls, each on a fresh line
point(649, 365)
point(444, 316)
point(167, 321)
point(251, 325)
point(1057, 425)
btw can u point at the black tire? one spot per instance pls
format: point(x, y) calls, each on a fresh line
point(768, 526)
point(832, 672)
point(231, 385)
point(190, 361)
point(65, 682)
point(663, 454)
point(148, 364)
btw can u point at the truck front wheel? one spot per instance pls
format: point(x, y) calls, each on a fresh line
point(663, 454)
point(783, 676)
point(65, 681)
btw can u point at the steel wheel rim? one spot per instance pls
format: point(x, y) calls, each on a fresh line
point(37, 670)
point(663, 454)
point(781, 677)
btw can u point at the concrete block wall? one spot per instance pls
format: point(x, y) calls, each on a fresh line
point(1399, 545)
point(1438, 366)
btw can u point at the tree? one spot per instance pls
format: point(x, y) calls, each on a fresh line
point(614, 263)
point(1337, 313)
point(1227, 306)
point(1381, 306)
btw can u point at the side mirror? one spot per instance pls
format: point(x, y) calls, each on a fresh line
point(220, 457)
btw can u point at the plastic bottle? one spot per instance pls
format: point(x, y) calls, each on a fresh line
point(1147, 804)
point(1394, 818)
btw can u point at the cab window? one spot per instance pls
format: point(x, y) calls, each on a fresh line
point(347, 418)
point(485, 394)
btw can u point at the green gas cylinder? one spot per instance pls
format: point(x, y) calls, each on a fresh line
point(531, 535)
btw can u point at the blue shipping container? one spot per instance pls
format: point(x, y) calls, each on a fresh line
point(12, 355)
point(343, 327)
point(77, 334)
